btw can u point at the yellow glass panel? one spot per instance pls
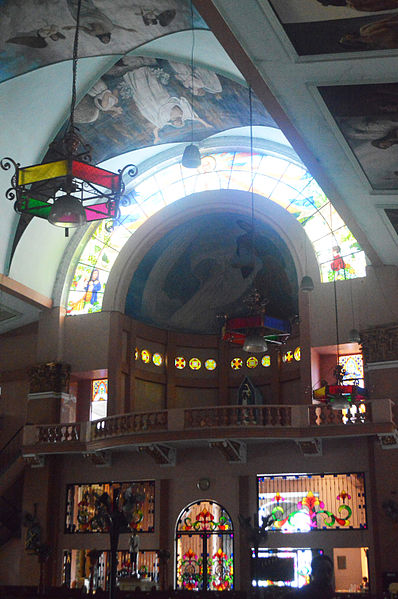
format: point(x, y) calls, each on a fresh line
point(40, 172)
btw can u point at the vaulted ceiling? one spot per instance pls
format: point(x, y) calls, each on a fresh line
point(325, 74)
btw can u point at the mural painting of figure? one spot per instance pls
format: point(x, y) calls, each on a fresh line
point(202, 82)
point(378, 35)
point(38, 38)
point(155, 102)
point(93, 21)
point(99, 99)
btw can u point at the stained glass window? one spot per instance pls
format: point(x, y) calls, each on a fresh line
point(297, 354)
point(180, 362)
point(81, 511)
point(204, 548)
point(145, 356)
point(276, 178)
point(195, 364)
point(99, 399)
point(303, 503)
point(251, 362)
point(283, 567)
point(287, 356)
point(266, 361)
point(77, 562)
point(210, 364)
point(353, 366)
point(157, 359)
point(236, 363)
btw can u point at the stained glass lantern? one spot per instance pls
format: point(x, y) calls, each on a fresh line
point(68, 192)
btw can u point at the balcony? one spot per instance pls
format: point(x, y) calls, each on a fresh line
point(210, 424)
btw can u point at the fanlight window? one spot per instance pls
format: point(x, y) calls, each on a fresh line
point(278, 179)
point(204, 548)
point(303, 503)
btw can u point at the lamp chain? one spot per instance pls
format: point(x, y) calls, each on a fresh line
point(192, 73)
point(74, 70)
point(251, 168)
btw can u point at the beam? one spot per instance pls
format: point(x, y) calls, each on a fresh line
point(24, 293)
point(235, 50)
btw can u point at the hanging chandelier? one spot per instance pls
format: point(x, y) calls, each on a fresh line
point(68, 191)
point(257, 330)
point(340, 396)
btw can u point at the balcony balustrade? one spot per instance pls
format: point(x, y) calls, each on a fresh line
point(235, 422)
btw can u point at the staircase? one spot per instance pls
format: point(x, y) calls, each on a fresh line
point(11, 486)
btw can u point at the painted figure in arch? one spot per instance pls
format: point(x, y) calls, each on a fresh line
point(155, 103)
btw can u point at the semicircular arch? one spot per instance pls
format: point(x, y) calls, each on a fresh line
point(273, 179)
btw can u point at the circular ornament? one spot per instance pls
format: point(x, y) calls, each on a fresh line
point(210, 364)
point(236, 363)
point(145, 356)
point(195, 364)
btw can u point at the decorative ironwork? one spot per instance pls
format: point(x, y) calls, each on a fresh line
point(204, 549)
point(205, 521)
point(86, 506)
point(296, 510)
point(220, 568)
point(191, 571)
point(86, 192)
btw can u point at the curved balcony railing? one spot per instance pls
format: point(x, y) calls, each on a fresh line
point(226, 416)
point(262, 421)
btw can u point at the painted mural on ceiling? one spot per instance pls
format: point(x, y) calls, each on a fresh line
point(194, 274)
point(367, 116)
point(145, 101)
point(36, 33)
point(335, 26)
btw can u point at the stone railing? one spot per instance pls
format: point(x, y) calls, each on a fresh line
point(138, 422)
point(58, 433)
point(323, 415)
point(238, 416)
point(251, 420)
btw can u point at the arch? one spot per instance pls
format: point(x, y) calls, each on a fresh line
point(204, 550)
point(273, 177)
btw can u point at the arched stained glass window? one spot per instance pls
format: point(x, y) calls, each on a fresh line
point(276, 178)
point(99, 399)
point(204, 548)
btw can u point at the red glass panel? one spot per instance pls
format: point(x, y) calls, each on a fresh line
point(99, 211)
point(96, 175)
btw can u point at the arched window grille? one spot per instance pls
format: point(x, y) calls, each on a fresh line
point(204, 548)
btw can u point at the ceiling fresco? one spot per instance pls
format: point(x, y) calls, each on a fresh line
point(144, 101)
point(335, 26)
point(367, 116)
point(35, 33)
point(193, 274)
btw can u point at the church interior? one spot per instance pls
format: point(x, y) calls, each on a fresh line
point(198, 294)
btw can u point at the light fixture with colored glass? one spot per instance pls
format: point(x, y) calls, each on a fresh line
point(191, 157)
point(67, 191)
